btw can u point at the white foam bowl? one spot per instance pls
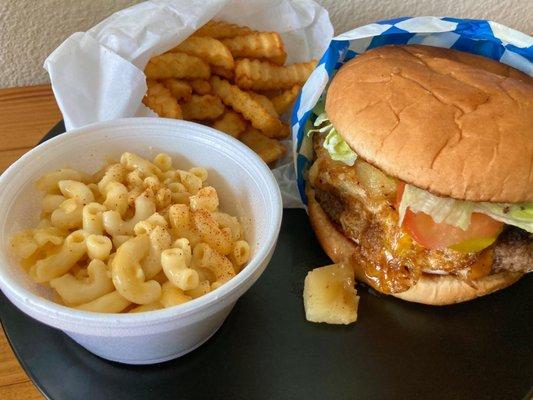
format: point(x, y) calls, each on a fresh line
point(246, 188)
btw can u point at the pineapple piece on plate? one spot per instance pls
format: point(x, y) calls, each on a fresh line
point(330, 295)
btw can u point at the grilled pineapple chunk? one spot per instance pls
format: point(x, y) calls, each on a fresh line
point(330, 295)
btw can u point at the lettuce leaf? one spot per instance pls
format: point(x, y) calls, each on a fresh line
point(457, 212)
point(337, 148)
point(520, 215)
point(441, 209)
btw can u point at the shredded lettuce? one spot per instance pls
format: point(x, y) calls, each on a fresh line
point(441, 209)
point(337, 148)
point(457, 212)
point(520, 215)
point(322, 123)
point(523, 211)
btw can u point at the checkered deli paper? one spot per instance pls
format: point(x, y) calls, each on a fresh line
point(485, 38)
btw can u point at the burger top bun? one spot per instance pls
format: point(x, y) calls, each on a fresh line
point(453, 123)
point(434, 290)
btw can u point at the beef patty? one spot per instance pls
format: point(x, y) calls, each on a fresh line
point(513, 251)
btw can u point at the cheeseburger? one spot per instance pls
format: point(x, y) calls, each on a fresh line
point(422, 178)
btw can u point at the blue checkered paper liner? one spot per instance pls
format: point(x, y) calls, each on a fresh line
point(485, 38)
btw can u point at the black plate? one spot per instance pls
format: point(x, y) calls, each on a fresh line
point(266, 350)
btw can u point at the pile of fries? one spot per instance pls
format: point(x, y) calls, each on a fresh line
point(231, 78)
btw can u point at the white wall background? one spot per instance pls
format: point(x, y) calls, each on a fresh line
point(31, 29)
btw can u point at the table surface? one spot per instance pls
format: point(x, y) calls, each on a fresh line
point(26, 115)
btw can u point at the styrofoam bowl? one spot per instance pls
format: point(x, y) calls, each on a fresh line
point(246, 188)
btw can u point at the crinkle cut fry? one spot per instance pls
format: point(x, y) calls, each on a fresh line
point(181, 90)
point(266, 45)
point(252, 110)
point(207, 107)
point(285, 99)
point(176, 65)
point(265, 102)
point(269, 107)
point(268, 149)
point(231, 123)
point(160, 100)
point(200, 86)
point(225, 73)
point(261, 75)
point(222, 30)
point(208, 49)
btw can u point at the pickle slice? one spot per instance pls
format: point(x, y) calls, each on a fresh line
point(473, 245)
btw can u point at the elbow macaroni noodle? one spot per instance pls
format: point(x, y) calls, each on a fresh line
point(136, 236)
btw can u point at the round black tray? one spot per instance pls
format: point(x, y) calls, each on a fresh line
point(266, 349)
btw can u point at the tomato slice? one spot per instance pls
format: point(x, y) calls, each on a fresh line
point(433, 235)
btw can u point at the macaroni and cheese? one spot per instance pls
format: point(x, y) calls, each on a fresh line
point(136, 236)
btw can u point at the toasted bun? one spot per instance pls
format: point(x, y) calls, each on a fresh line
point(440, 290)
point(453, 123)
point(430, 289)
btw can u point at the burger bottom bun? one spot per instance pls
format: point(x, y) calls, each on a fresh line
point(430, 289)
point(440, 290)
